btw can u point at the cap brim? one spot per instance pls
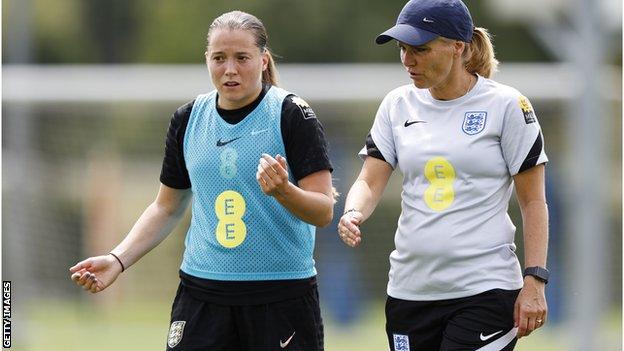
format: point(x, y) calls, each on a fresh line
point(406, 34)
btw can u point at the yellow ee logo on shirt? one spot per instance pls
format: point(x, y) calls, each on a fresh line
point(230, 207)
point(441, 174)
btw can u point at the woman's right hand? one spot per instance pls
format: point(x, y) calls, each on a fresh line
point(349, 228)
point(96, 273)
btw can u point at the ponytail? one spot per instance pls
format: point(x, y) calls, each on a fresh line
point(480, 56)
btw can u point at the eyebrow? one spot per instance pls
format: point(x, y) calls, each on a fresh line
point(236, 53)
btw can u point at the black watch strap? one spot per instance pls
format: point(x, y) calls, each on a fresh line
point(541, 273)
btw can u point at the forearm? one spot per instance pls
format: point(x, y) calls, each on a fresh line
point(362, 198)
point(310, 206)
point(535, 232)
point(151, 229)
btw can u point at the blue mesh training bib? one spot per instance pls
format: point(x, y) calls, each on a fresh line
point(237, 232)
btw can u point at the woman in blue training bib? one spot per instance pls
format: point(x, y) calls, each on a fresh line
point(252, 160)
point(463, 143)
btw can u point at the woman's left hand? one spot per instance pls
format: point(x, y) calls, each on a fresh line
point(272, 175)
point(530, 311)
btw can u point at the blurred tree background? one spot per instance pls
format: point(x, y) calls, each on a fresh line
point(119, 31)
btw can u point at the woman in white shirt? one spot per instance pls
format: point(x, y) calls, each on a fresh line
point(463, 143)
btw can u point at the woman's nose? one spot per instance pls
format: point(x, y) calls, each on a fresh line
point(230, 67)
point(408, 59)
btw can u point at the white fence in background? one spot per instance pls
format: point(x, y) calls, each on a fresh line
point(325, 82)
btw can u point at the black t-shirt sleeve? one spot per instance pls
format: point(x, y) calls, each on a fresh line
point(174, 173)
point(372, 149)
point(304, 139)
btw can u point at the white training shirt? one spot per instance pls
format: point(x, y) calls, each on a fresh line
point(454, 237)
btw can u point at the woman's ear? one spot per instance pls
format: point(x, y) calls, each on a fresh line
point(458, 48)
point(265, 60)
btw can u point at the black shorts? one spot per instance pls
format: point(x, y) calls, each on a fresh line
point(482, 322)
point(293, 324)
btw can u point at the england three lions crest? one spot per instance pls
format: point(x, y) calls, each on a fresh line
point(175, 333)
point(474, 122)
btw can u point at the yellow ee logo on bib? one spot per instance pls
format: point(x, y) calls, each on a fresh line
point(230, 207)
point(441, 174)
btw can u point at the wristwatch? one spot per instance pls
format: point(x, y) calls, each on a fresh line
point(540, 273)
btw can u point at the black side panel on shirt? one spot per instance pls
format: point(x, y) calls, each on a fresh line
point(304, 139)
point(372, 150)
point(173, 173)
point(534, 153)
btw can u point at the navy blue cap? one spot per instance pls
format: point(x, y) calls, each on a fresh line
point(421, 21)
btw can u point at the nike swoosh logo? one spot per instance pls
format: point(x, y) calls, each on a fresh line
point(409, 123)
point(428, 20)
point(285, 343)
point(256, 132)
point(487, 337)
point(221, 143)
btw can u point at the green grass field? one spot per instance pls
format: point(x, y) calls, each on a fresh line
point(142, 325)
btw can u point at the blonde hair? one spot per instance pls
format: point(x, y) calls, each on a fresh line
point(245, 21)
point(479, 57)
